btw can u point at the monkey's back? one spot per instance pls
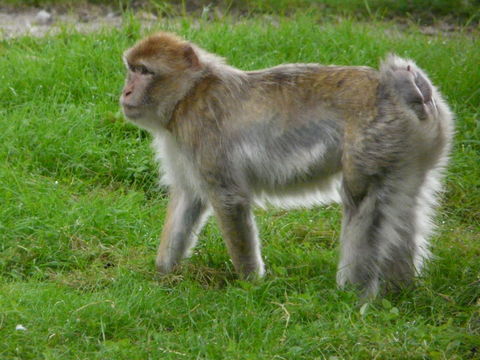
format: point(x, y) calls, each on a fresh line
point(344, 93)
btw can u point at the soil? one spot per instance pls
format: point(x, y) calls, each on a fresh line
point(40, 22)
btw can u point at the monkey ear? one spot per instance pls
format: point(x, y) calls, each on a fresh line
point(191, 57)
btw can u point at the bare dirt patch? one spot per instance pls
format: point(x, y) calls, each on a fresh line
point(40, 22)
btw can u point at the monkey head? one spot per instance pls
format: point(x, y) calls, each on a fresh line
point(160, 71)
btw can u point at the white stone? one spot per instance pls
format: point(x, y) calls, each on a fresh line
point(43, 18)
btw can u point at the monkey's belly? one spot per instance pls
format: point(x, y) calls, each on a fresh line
point(300, 168)
point(317, 191)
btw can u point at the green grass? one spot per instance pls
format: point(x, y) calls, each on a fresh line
point(80, 215)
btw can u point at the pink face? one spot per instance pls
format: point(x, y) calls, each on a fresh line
point(134, 99)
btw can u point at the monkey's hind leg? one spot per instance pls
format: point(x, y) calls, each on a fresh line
point(185, 218)
point(380, 240)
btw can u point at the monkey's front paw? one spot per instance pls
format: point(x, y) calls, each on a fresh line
point(252, 271)
point(342, 278)
point(163, 266)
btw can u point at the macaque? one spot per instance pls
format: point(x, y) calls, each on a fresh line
point(293, 135)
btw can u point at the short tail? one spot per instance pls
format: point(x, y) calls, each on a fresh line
point(401, 76)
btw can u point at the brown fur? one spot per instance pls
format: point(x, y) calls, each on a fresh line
point(163, 47)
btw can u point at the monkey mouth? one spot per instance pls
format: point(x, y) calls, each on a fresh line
point(131, 111)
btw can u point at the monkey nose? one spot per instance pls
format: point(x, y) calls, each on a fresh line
point(127, 93)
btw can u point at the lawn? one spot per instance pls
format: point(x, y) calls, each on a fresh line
point(81, 212)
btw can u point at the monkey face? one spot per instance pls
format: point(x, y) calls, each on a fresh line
point(134, 99)
point(160, 69)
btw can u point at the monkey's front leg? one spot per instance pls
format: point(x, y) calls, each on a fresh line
point(235, 219)
point(186, 215)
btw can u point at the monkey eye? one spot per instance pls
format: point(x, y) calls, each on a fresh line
point(142, 69)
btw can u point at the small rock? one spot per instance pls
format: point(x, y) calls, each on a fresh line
point(43, 18)
point(429, 30)
point(143, 15)
point(20, 327)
